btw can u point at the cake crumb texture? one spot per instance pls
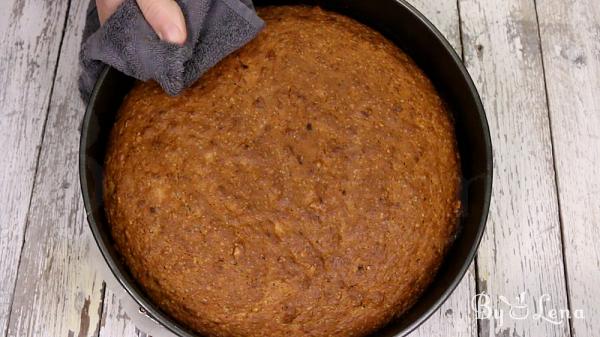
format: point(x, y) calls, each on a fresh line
point(307, 185)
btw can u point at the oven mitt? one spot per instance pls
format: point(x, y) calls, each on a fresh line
point(126, 42)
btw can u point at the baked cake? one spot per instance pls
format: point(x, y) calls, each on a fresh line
point(307, 185)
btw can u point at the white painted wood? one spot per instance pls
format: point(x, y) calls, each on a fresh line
point(454, 318)
point(58, 292)
point(570, 33)
point(521, 249)
point(115, 320)
point(444, 15)
point(121, 315)
point(30, 34)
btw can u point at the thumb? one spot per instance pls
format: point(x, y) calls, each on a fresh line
point(166, 19)
point(106, 8)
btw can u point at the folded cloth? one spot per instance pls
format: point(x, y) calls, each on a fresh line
point(126, 42)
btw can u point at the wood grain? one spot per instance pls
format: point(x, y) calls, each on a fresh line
point(58, 291)
point(570, 34)
point(30, 35)
point(444, 15)
point(115, 320)
point(521, 249)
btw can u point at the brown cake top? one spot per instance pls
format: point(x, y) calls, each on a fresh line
point(306, 185)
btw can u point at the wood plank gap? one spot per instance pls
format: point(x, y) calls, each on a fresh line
point(560, 215)
point(462, 45)
point(478, 326)
point(101, 312)
point(37, 163)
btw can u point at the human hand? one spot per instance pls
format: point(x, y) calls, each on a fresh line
point(164, 16)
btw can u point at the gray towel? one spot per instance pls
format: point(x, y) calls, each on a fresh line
point(126, 42)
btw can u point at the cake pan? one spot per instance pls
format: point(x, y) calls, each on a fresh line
point(411, 31)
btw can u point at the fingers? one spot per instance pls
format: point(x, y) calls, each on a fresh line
point(166, 19)
point(164, 16)
point(106, 8)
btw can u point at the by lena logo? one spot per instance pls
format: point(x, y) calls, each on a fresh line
point(520, 309)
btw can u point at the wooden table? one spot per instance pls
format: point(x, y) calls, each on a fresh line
point(537, 67)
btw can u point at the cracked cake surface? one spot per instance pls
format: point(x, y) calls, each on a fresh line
point(307, 185)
